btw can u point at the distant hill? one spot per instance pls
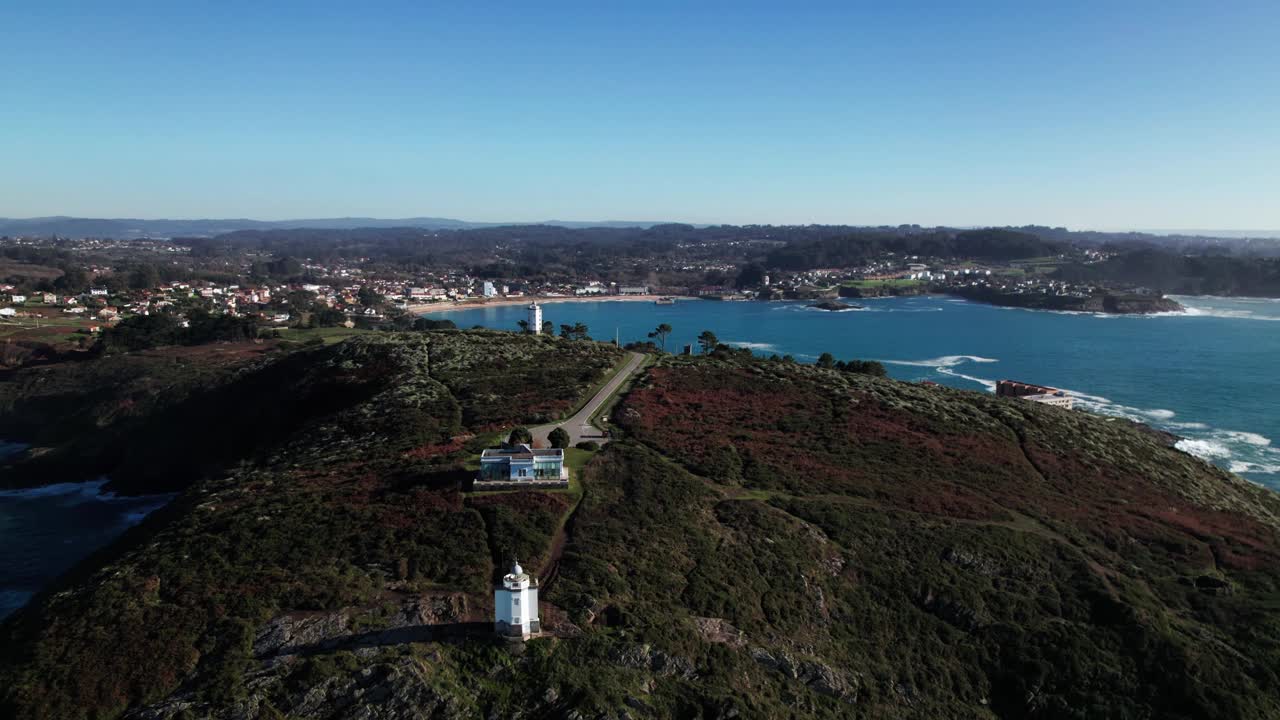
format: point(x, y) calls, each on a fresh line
point(134, 227)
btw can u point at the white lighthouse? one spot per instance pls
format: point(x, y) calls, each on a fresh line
point(515, 605)
point(535, 318)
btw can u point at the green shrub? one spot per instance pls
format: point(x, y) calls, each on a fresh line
point(559, 438)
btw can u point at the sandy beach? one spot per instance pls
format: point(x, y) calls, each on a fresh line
point(472, 304)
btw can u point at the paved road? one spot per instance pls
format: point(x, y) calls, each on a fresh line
point(579, 426)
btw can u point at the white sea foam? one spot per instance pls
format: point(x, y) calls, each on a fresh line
point(1240, 466)
point(91, 491)
point(990, 385)
point(87, 490)
point(1205, 449)
point(1196, 307)
point(943, 365)
point(1247, 438)
point(752, 345)
point(136, 515)
point(944, 361)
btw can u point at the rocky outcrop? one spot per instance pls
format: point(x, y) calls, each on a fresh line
point(646, 657)
point(718, 630)
point(834, 306)
point(1212, 585)
point(970, 560)
point(820, 678)
point(427, 616)
point(290, 632)
point(949, 610)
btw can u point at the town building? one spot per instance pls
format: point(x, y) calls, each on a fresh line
point(489, 289)
point(535, 318)
point(1034, 393)
point(522, 466)
point(515, 605)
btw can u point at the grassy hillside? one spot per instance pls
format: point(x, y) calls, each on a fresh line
point(1012, 558)
point(158, 420)
point(768, 540)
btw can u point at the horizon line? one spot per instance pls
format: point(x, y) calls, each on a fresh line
point(554, 221)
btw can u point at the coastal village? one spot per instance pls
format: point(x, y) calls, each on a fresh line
point(282, 293)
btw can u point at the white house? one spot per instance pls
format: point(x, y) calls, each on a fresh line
point(489, 290)
point(515, 605)
point(523, 465)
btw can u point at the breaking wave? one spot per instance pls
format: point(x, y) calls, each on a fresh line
point(1241, 466)
point(1204, 449)
point(943, 365)
point(136, 507)
point(90, 490)
point(758, 346)
point(946, 361)
point(1264, 309)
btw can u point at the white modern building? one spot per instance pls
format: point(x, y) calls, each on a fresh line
point(535, 318)
point(489, 290)
point(522, 464)
point(1035, 393)
point(515, 605)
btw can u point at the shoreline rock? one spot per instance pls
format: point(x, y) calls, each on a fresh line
point(834, 306)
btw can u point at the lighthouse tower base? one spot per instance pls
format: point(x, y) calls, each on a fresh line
point(517, 632)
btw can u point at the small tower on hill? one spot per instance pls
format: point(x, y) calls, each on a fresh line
point(535, 318)
point(515, 605)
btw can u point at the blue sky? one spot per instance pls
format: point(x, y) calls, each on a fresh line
point(1109, 115)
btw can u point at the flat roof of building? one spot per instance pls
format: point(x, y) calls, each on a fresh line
point(521, 452)
point(1043, 389)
